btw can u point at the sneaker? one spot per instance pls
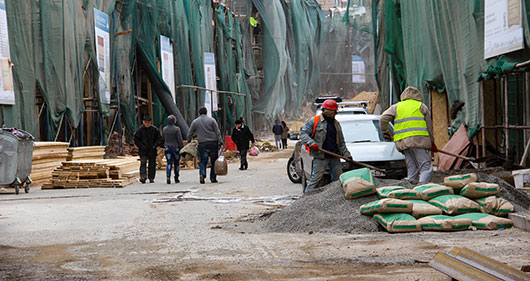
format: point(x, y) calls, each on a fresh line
point(142, 180)
point(177, 181)
point(168, 180)
point(214, 181)
point(151, 180)
point(201, 179)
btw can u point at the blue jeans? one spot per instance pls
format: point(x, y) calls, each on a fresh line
point(319, 167)
point(173, 158)
point(211, 150)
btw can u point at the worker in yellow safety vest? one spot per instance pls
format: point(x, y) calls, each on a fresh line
point(412, 133)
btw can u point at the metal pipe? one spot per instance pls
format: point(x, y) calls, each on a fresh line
point(211, 90)
point(517, 145)
point(117, 89)
point(506, 132)
point(482, 129)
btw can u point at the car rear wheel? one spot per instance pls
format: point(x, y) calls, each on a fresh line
point(291, 171)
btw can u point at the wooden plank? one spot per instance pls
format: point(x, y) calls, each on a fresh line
point(456, 145)
point(488, 265)
point(458, 270)
point(440, 120)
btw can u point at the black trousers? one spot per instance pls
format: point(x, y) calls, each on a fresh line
point(284, 143)
point(152, 166)
point(243, 154)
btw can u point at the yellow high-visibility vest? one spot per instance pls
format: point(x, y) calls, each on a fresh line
point(409, 121)
point(253, 22)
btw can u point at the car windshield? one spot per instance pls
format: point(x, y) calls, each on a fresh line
point(362, 131)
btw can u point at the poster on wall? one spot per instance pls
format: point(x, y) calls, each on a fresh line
point(210, 99)
point(7, 91)
point(101, 24)
point(503, 30)
point(168, 68)
point(358, 70)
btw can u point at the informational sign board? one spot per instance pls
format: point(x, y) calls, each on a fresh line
point(168, 68)
point(503, 30)
point(101, 24)
point(358, 70)
point(210, 99)
point(7, 92)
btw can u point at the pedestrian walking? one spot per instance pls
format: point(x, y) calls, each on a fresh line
point(210, 141)
point(285, 134)
point(172, 145)
point(147, 139)
point(324, 131)
point(277, 130)
point(242, 135)
point(412, 133)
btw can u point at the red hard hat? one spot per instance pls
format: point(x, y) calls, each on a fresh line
point(330, 104)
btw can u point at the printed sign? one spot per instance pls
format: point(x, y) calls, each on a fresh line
point(168, 68)
point(503, 30)
point(210, 99)
point(101, 24)
point(357, 70)
point(7, 91)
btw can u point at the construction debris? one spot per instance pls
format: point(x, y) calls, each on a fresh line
point(95, 173)
point(46, 157)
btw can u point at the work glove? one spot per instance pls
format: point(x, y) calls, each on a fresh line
point(388, 136)
point(315, 147)
point(434, 148)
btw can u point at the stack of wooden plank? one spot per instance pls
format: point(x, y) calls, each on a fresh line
point(46, 157)
point(114, 173)
point(85, 152)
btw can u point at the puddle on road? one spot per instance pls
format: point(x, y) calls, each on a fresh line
point(264, 200)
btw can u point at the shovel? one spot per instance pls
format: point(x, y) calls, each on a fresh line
point(353, 161)
point(472, 159)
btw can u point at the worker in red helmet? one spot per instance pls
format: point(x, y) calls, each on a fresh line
point(324, 132)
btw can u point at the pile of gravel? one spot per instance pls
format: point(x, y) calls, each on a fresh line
point(323, 210)
point(326, 210)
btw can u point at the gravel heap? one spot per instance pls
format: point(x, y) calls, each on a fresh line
point(326, 210)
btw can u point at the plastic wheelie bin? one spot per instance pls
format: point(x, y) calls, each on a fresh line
point(16, 152)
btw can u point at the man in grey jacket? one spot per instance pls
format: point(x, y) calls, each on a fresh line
point(325, 132)
point(173, 144)
point(210, 141)
point(412, 133)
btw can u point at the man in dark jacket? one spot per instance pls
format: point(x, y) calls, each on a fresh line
point(242, 135)
point(277, 129)
point(173, 144)
point(147, 139)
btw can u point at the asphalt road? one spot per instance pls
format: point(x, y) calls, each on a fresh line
point(189, 231)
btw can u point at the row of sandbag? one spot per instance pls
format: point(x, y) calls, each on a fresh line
point(400, 207)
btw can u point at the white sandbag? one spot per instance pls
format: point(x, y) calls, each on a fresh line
point(444, 223)
point(457, 182)
point(455, 204)
point(475, 190)
point(386, 205)
point(398, 192)
point(398, 222)
point(357, 183)
point(431, 190)
point(496, 206)
point(422, 208)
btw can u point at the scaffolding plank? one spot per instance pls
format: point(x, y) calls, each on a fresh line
point(488, 265)
point(458, 270)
